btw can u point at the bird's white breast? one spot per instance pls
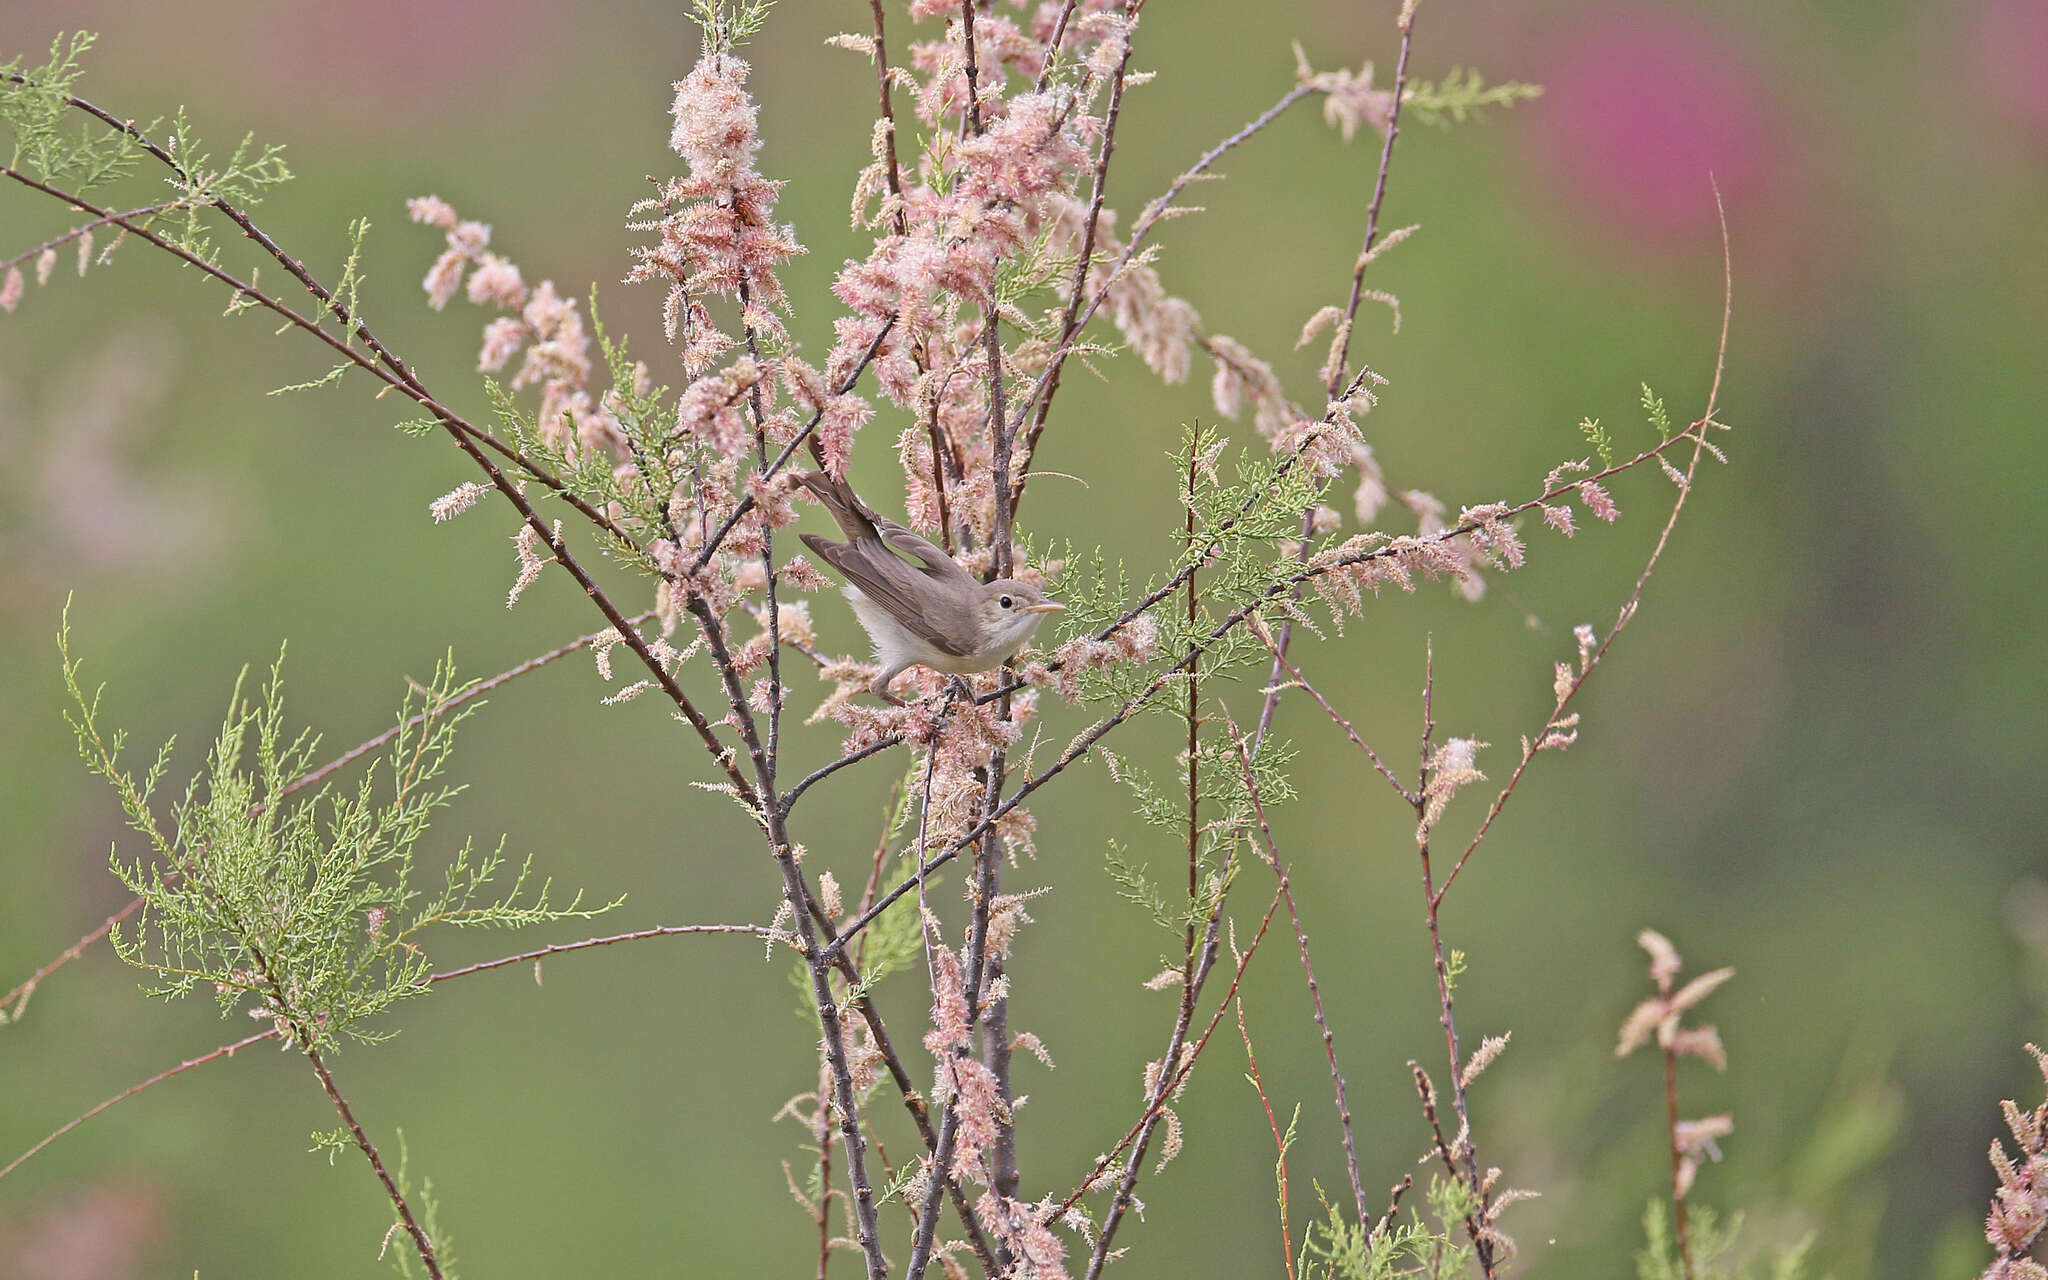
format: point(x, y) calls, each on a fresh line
point(898, 646)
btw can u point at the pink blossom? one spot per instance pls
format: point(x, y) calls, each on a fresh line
point(1349, 99)
point(11, 290)
point(502, 339)
point(470, 238)
point(497, 280)
point(949, 1005)
point(456, 501)
point(432, 210)
point(844, 415)
point(711, 409)
point(716, 234)
point(1597, 500)
point(804, 576)
point(444, 277)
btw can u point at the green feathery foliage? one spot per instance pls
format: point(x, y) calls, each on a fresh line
point(1653, 405)
point(728, 24)
point(1596, 436)
point(1712, 1246)
point(895, 937)
point(1035, 273)
point(327, 379)
point(1241, 537)
point(34, 105)
point(1461, 95)
point(428, 1208)
point(306, 908)
point(1337, 1249)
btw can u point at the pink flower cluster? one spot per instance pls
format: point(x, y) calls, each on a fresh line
point(717, 235)
point(542, 323)
point(1135, 642)
point(963, 1082)
point(2019, 1205)
point(1660, 1017)
point(982, 198)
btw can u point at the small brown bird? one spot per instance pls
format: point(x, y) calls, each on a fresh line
point(938, 615)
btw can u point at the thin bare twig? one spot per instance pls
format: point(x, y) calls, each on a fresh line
point(1481, 1242)
point(1425, 1088)
point(1678, 1215)
point(1302, 682)
point(1172, 1078)
point(225, 1051)
point(1279, 1140)
point(420, 1239)
point(1345, 326)
point(1697, 431)
point(562, 948)
point(1308, 967)
point(1070, 324)
point(83, 229)
point(1147, 219)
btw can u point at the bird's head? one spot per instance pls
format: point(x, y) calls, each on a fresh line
point(1009, 612)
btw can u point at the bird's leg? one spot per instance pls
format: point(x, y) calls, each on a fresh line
point(961, 689)
point(879, 686)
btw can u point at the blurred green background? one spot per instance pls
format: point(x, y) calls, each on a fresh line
point(1815, 757)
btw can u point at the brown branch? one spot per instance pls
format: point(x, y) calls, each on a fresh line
point(1394, 1194)
point(1070, 324)
point(563, 948)
point(1173, 1078)
point(1315, 994)
point(1302, 682)
point(1052, 46)
point(15, 1003)
point(1279, 1140)
point(1677, 1158)
point(1426, 1089)
point(1470, 1175)
point(824, 1138)
point(225, 1051)
point(1372, 213)
point(87, 228)
point(1147, 219)
point(1343, 360)
point(405, 1215)
point(894, 174)
point(1697, 431)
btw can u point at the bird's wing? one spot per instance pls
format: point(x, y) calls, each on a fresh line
point(937, 564)
point(896, 586)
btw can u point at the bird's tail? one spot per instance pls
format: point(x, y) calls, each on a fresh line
point(848, 511)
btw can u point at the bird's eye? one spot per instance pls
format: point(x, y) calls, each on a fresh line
point(1005, 602)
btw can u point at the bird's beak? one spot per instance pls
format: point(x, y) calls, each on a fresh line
point(1048, 606)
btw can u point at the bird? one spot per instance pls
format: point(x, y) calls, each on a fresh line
point(933, 613)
